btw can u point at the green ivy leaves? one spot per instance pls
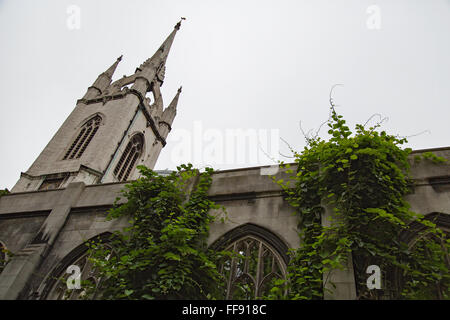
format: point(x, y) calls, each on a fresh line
point(163, 252)
point(363, 177)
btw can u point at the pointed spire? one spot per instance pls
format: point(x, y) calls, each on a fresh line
point(154, 66)
point(170, 112)
point(160, 56)
point(168, 115)
point(174, 102)
point(103, 81)
point(112, 69)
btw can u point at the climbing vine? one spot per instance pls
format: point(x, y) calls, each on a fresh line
point(349, 194)
point(163, 253)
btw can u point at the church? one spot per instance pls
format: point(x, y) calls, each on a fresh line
point(62, 200)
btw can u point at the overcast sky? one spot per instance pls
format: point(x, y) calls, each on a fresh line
point(257, 65)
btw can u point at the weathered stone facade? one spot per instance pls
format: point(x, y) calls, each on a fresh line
point(47, 228)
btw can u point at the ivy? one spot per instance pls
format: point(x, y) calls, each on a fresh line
point(5, 257)
point(4, 191)
point(349, 195)
point(359, 180)
point(429, 156)
point(162, 254)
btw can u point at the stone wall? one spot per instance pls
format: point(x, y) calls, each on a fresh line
point(70, 217)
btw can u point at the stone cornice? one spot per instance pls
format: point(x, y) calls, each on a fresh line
point(90, 170)
point(104, 98)
point(63, 174)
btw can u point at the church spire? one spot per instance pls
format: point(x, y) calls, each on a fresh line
point(169, 114)
point(103, 81)
point(112, 69)
point(105, 141)
point(174, 103)
point(162, 53)
point(155, 66)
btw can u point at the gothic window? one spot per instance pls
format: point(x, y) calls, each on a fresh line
point(250, 273)
point(129, 157)
point(428, 245)
point(60, 290)
point(83, 138)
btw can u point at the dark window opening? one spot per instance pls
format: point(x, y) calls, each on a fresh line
point(83, 139)
point(129, 157)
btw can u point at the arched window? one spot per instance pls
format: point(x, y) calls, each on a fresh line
point(431, 247)
point(54, 286)
point(129, 157)
point(83, 138)
point(60, 291)
point(249, 274)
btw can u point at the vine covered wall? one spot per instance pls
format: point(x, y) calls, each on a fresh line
point(363, 176)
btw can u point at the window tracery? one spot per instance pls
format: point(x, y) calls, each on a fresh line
point(83, 138)
point(60, 290)
point(250, 272)
point(130, 155)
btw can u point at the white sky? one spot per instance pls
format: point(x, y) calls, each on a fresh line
point(259, 65)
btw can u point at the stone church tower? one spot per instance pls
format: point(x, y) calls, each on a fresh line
point(112, 129)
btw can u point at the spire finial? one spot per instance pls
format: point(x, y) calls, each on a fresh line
point(179, 89)
point(177, 26)
point(120, 58)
